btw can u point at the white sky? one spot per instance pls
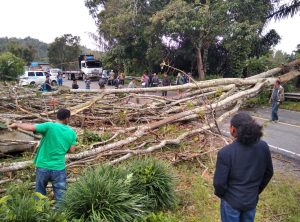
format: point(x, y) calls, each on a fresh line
point(47, 19)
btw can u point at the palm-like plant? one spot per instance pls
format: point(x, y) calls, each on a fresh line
point(103, 195)
point(152, 178)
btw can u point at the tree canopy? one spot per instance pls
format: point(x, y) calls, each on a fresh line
point(63, 50)
point(10, 66)
point(142, 33)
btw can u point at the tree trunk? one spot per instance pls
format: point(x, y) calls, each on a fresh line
point(200, 67)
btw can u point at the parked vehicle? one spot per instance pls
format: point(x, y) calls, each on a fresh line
point(88, 66)
point(36, 78)
point(54, 71)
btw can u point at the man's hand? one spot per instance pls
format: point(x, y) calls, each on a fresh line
point(13, 126)
point(72, 149)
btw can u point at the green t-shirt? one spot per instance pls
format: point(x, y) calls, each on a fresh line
point(56, 142)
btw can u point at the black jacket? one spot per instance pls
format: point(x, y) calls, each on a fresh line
point(242, 172)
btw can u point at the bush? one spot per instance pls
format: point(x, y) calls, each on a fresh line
point(152, 178)
point(103, 194)
point(19, 205)
point(89, 137)
point(11, 67)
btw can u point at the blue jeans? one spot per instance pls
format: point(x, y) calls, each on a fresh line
point(60, 81)
point(275, 107)
point(228, 214)
point(58, 178)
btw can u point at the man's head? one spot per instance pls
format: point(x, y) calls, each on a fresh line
point(63, 115)
point(277, 83)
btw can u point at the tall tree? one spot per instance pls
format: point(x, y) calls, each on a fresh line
point(137, 30)
point(63, 50)
point(285, 10)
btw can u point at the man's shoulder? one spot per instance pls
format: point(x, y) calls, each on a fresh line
point(227, 149)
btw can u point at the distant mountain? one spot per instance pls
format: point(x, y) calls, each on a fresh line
point(40, 47)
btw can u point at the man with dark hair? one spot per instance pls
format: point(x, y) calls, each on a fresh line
point(276, 98)
point(243, 170)
point(58, 139)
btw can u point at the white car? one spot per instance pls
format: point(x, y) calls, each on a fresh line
point(36, 78)
point(54, 72)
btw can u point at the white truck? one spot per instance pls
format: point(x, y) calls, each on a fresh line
point(88, 67)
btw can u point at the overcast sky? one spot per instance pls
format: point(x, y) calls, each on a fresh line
point(47, 19)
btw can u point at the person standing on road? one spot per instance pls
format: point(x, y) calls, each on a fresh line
point(58, 139)
point(75, 84)
point(243, 170)
point(165, 82)
point(276, 98)
point(155, 80)
point(87, 83)
point(59, 78)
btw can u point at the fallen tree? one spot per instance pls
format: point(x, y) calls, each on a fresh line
point(129, 124)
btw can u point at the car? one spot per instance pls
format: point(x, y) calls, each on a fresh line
point(36, 78)
point(54, 71)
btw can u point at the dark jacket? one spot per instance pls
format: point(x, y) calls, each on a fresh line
point(166, 81)
point(242, 173)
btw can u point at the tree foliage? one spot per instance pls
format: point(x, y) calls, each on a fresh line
point(141, 33)
point(29, 49)
point(285, 10)
point(63, 50)
point(11, 66)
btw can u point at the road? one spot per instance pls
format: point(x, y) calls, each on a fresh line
point(283, 137)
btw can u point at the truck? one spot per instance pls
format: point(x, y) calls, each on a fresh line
point(88, 66)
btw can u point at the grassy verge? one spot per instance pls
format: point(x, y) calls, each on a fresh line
point(289, 105)
point(197, 202)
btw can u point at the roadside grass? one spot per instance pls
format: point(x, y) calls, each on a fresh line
point(280, 201)
point(290, 105)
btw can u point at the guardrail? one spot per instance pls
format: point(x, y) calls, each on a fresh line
point(294, 96)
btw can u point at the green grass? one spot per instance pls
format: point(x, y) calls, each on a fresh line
point(289, 105)
point(280, 201)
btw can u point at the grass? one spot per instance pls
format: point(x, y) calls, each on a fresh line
point(280, 201)
point(289, 105)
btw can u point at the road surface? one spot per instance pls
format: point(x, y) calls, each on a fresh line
point(284, 136)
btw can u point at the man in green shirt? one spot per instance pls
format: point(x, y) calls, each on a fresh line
point(58, 139)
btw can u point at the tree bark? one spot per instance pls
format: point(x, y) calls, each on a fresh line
point(200, 66)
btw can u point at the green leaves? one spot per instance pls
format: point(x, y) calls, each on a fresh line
point(103, 195)
point(152, 178)
point(10, 66)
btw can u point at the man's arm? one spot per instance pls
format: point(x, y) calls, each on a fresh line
point(23, 126)
point(221, 176)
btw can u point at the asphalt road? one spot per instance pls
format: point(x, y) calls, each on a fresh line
point(283, 137)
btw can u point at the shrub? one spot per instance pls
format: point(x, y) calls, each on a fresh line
point(89, 137)
point(19, 205)
point(10, 66)
point(103, 195)
point(152, 178)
